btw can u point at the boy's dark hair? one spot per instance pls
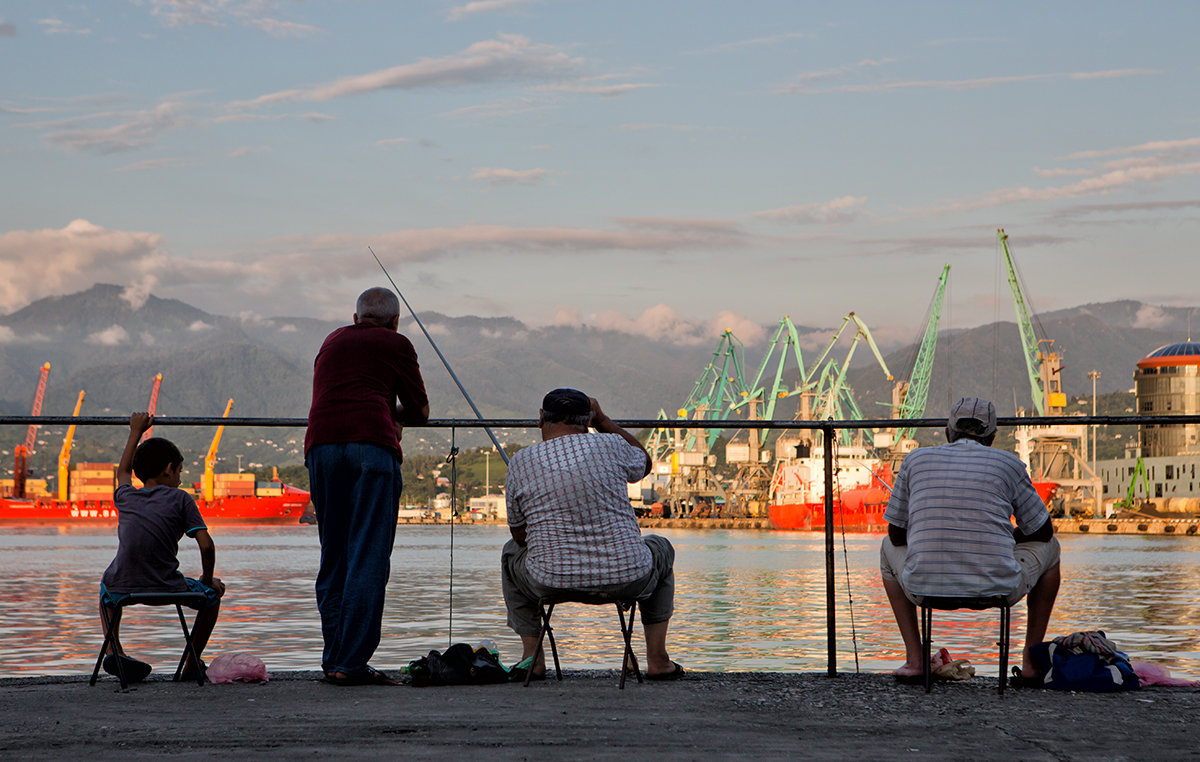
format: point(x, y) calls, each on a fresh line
point(153, 456)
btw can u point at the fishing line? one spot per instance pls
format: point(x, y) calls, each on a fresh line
point(845, 552)
point(452, 459)
point(441, 356)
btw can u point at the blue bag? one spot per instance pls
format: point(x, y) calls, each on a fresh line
point(1067, 669)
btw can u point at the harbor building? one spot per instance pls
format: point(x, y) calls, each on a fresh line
point(1164, 467)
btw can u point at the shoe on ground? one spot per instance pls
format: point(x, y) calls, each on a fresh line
point(135, 671)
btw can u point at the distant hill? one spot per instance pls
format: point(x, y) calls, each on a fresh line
point(98, 341)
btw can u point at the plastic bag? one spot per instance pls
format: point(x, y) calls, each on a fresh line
point(237, 667)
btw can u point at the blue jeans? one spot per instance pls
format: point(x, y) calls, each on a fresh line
point(355, 488)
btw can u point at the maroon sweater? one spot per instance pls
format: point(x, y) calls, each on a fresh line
point(360, 372)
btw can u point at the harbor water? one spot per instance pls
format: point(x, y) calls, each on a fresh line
point(746, 600)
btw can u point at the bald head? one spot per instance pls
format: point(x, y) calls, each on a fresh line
point(377, 306)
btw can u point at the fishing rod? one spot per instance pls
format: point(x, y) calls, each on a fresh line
point(441, 356)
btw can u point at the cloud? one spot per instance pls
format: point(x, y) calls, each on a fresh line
point(7, 335)
point(313, 116)
point(662, 322)
point(163, 163)
point(502, 109)
point(498, 176)
point(592, 89)
point(838, 210)
point(40, 263)
point(288, 328)
point(138, 129)
point(1104, 183)
point(7, 29)
point(773, 39)
point(565, 317)
point(238, 153)
point(199, 326)
point(656, 126)
point(137, 294)
point(686, 225)
point(1061, 172)
point(1083, 210)
point(392, 141)
point(1149, 316)
point(460, 12)
point(803, 85)
point(511, 58)
point(57, 26)
point(109, 337)
point(254, 13)
point(1154, 146)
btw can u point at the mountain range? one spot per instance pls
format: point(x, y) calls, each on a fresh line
point(112, 347)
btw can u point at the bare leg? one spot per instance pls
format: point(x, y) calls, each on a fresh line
point(658, 662)
point(906, 619)
point(529, 644)
point(1040, 603)
point(202, 628)
point(107, 613)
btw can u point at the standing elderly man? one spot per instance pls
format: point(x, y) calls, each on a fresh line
point(366, 385)
point(950, 532)
point(574, 530)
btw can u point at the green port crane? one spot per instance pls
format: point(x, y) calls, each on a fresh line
point(1130, 502)
point(912, 395)
point(1045, 401)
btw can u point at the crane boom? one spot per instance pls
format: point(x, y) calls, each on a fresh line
point(64, 455)
point(912, 405)
point(21, 452)
point(1029, 342)
point(153, 403)
point(210, 458)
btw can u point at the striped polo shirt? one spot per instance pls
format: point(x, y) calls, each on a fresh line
point(956, 502)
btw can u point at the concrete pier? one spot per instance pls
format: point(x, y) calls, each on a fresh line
point(706, 716)
point(1189, 527)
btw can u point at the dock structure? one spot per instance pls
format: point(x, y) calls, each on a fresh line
point(1187, 526)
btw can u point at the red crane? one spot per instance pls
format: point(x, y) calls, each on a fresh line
point(21, 454)
point(153, 403)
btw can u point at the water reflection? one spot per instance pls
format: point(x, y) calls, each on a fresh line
point(745, 601)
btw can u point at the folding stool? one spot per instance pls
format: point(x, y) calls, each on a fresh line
point(927, 605)
point(178, 600)
point(546, 606)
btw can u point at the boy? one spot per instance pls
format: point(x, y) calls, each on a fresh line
point(150, 522)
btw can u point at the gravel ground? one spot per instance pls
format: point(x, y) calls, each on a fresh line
point(706, 715)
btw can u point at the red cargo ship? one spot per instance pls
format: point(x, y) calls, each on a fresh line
point(284, 508)
point(860, 495)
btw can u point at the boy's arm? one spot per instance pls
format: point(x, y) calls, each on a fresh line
point(138, 423)
point(208, 560)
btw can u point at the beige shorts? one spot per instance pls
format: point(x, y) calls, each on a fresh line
point(1035, 558)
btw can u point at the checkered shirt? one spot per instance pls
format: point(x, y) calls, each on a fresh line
point(570, 494)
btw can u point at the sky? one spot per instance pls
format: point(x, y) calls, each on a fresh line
point(672, 169)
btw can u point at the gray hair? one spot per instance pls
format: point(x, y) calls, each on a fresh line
point(378, 306)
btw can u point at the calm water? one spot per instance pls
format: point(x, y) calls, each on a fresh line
point(746, 600)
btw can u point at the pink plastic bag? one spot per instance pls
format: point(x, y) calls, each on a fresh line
point(1156, 674)
point(241, 666)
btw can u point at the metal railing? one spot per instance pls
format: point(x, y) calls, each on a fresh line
point(828, 428)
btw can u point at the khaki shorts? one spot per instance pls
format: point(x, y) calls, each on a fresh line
point(1035, 558)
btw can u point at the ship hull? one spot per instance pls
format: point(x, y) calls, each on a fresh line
point(274, 509)
point(859, 510)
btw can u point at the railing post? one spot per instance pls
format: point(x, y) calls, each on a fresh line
point(828, 433)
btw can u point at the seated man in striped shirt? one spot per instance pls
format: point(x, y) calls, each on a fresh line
point(574, 530)
point(950, 531)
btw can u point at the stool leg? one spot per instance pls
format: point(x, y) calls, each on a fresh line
point(553, 645)
point(108, 639)
point(927, 646)
point(1005, 625)
point(190, 649)
point(544, 630)
point(629, 659)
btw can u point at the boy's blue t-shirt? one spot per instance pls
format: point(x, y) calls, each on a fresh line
point(149, 525)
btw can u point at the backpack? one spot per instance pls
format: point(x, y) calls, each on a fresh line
point(1085, 661)
point(460, 664)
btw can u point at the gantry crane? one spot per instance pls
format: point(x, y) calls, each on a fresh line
point(64, 455)
point(22, 451)
point(210, 458)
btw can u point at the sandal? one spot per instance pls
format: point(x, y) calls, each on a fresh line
point(371, 676)
point(674, 674)
point(1017, 680)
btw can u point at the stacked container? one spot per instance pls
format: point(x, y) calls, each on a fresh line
point(93, 481)
point(233, 485)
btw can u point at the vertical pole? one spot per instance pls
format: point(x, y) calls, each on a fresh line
point(830, 603)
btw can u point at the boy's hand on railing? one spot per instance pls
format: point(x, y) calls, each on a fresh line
point(140, 422)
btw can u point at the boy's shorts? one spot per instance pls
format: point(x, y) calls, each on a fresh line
point(1035, 558)
point(194, 586)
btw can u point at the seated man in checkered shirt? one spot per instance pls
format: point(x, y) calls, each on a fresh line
point(574, 530)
